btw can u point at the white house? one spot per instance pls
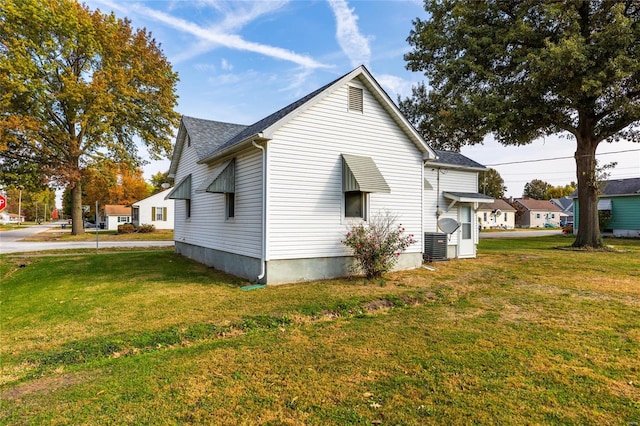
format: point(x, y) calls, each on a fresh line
point(270, 202)
point(114, 215)
point(7, 218)
point(451, 200)
point(496, 215)
point(155, 210)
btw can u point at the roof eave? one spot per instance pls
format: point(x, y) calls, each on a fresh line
point(226, 152)
point(456, 166)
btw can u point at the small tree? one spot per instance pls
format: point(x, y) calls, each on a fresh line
point(537, 189)
point(376, 245)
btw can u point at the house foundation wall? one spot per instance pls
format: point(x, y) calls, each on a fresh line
point(282, 271)
point(231, 263)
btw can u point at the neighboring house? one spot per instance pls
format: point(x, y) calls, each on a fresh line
point(114, 215)
point(154, 210)
point(451, 194)
point(565, 204)
point(270, 202)
point(533, 213)
point(497, 215)
point(621, 197)
point(6, 218)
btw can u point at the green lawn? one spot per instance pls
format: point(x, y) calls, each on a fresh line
point(523, 334)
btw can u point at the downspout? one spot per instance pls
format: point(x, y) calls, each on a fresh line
point(263, 250)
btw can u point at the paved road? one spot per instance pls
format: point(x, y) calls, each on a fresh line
point(520, 234)
point(10, 241)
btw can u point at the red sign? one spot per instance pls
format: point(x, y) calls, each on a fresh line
point(3, 202)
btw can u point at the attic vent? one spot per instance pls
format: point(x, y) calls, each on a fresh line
point(355, 99)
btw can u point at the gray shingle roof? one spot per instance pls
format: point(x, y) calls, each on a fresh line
point(456, 159)
point(497, 204)
point(208, 136)
point(617, 187)
point(621, 187)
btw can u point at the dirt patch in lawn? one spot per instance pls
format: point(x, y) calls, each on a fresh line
point(44, 385)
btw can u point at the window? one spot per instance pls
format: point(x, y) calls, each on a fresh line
point(553, 215)
point(484, 216)
point(136, 214)
point(465, 220)
point(230, 205)
point(354, 204)
point(537, 215)
point(505, 216)
point(159, 213)
point(356, 99)
point(187, 208)
point(123, 219)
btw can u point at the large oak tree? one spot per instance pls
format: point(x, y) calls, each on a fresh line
point(522, 69)
point(76, 84)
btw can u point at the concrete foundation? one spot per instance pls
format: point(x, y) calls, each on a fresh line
point(284, 270)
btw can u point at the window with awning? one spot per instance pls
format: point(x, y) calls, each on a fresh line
point(224, 182)
point(182, 191)
point(360, 173)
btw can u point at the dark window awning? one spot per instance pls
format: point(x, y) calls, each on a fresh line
point(360, 173)
point(181, 191)
point(224, 181)
point(466, 197)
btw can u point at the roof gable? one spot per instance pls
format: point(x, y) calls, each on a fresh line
point(266, 127)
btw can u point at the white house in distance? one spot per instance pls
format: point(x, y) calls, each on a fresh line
point(155, 210)
point(536, 213)
point(496, 215)
point(114, 215)
point(270, 202)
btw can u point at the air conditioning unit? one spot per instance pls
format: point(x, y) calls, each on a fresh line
point(435, 246)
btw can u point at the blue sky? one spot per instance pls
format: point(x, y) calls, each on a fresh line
point(239, 61)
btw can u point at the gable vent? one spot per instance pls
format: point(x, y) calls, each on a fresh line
point(355, 99)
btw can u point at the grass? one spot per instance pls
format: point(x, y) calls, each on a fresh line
point(524, 333)
point(58, 234)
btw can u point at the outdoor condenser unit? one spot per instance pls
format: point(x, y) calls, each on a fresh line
point(435, 246)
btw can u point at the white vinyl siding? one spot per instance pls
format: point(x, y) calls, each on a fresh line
point(450, 181)
point(208, 225)
point(305, 200)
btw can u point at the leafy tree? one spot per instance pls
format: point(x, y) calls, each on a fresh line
point(33, 204)
point(492, 184)
point(109, 183)
point(537, 189)
point(561, 191)
point(522, 69)
point(76, 83)
point(160, 179)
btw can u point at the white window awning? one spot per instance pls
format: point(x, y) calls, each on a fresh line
point(360, 173)
point(181, 191)
point(224, 180)
point(466, 197)
point(604, 204)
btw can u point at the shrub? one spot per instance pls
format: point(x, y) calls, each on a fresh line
point(126, 228)
point(146, 228)
point(376, 245)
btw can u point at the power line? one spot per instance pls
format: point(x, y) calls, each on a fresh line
point(539, 160)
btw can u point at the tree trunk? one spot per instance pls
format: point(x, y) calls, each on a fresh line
point(77, 215)
point(588, 232)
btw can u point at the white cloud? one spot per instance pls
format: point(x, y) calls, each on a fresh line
point(225, 65)
point(220, 35)
point(395, 85)
point(351, 41)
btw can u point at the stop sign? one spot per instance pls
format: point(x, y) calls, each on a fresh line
point(3, 202)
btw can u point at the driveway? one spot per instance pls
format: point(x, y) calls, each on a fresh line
point(520, 234)
point(10, 241)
